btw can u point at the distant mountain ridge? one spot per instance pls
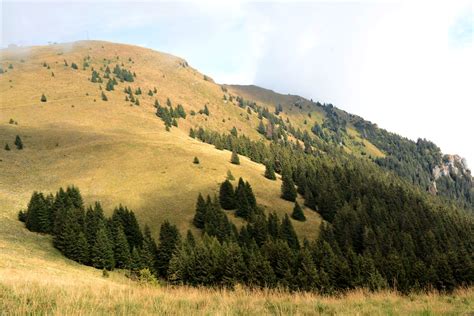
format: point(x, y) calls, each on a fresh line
point(420, 162)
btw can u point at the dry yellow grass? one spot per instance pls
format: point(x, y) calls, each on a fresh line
point(72, 296)
point(117, 153)
point(112, 151)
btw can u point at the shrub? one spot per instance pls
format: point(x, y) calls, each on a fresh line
point(18, 143)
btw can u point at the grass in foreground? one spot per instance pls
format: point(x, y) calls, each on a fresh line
point(68, 295)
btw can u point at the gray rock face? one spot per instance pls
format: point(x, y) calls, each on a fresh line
point(452, 165)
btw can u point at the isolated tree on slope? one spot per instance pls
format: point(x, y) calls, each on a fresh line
point(298, 213)
point(18, 142)
point(269, 171)
point(235, 158)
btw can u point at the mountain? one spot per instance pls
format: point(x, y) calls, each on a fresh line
point(419, 162)
point(125, 124)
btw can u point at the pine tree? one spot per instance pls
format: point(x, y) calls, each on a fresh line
point(261, 128)
point(206, 110)
point(82, 249)
point(244, 208)
point(307, 277)
point(130, 226)
point(234, 266)
point(7, 147)
point(102, 254)
point(269, 171)
point(43, 98)
point(230, 176)
point(288, 191)
point(120, 247)
point(235, 158)
point(93, 219)
point(226, 195)
point(38, 219)
point(274, 226)
point(196, 161)
point(18, 143)
point(136, 262)
point(288, 233)
point(201, 208)
point(110, 85)
point(298, 213)
point(149, 251)
point(104, 97)
point(192, 133)
point(169, 241)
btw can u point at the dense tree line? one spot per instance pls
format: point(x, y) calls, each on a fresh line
point(88, 237)
point(374, 218)
point(408, 246)
point(415, 161)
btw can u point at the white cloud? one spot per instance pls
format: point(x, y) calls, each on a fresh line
point(406, 65)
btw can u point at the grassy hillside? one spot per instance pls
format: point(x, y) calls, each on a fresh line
point(303, 114)
point(119, 152)
point(115, 152)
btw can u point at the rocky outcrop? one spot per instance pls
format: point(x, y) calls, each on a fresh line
point(451, 166)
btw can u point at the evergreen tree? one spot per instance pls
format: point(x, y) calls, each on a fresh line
point(18, 142)
point(38, 219)
point(288, 191)
point(206, 110)
point(298, 213)
point(104, 97)
point(244, 209)
point(93, 219)
point(7, 148)
point(288, 233)
point(192, 133)
point(130, 226)
point(43, 98)
point(149, 251)
point(82, 249)
point(168, 242)
point(120, 247)
point(102, 254)
point(261, 128)
point(196, 160)
point(226, 195)
point(136, 262)
point(269, 171)
point(110, 85)
point(230, 176)
point(199, 217)
point(235, 158)
point(234, 266)
point(307, 277)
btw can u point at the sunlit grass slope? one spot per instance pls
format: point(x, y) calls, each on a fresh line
point(118, 153)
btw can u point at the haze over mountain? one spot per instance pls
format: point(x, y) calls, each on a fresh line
point(357, 56)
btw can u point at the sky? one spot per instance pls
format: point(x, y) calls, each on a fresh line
point(406, 65)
